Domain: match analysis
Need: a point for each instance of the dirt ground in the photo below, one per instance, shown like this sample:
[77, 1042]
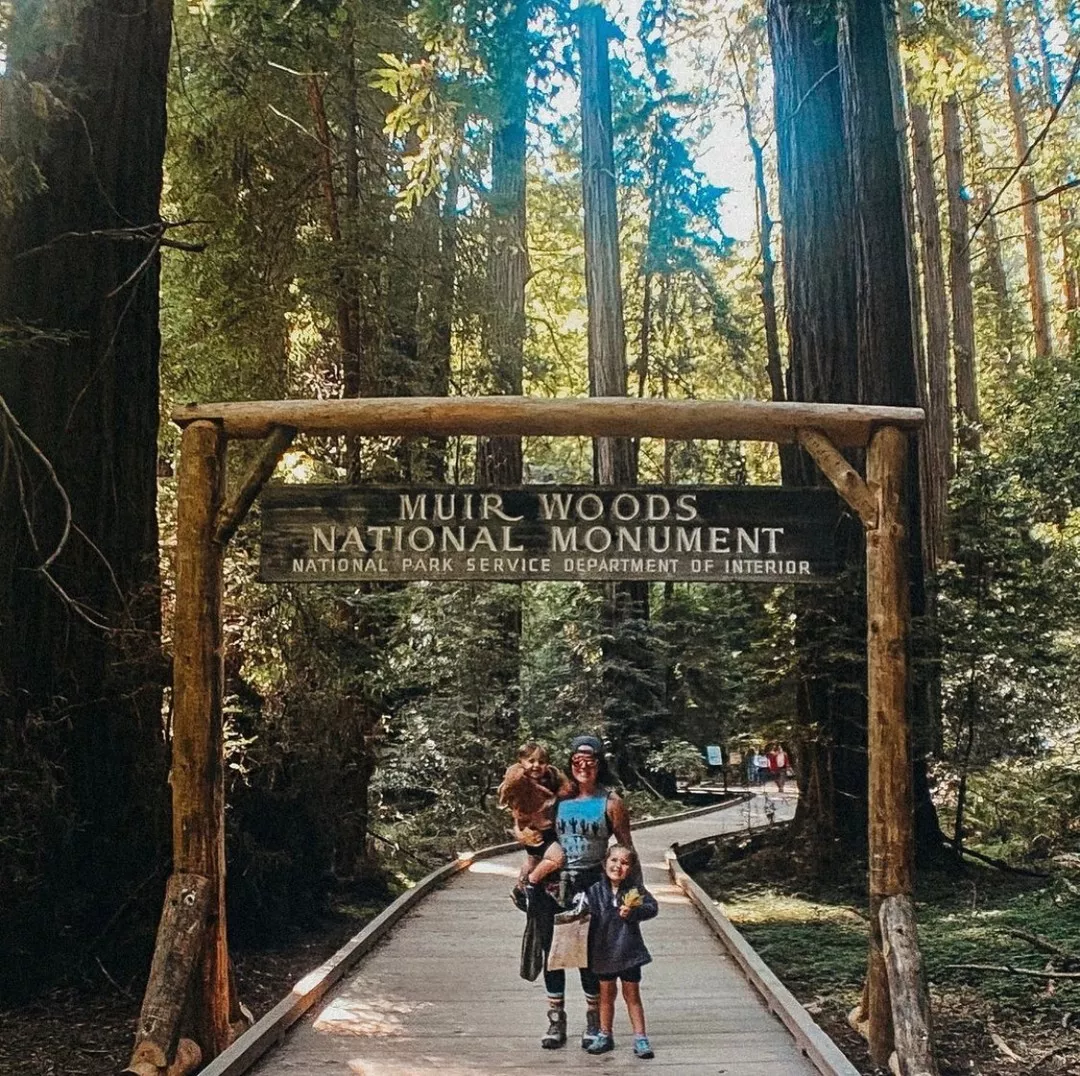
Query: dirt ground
[89, 1031]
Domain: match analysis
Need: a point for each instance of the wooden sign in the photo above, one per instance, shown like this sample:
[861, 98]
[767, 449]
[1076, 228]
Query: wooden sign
[763, 534]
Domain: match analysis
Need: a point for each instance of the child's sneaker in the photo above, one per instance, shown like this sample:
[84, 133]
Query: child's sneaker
[642, 1048]
[602, 1044]
[592, 1028]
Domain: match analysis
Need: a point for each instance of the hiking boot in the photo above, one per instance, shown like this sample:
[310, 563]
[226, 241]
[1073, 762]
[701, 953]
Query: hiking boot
[602, 1044]
[555, 1036]
[592, 1028]
[642, 1048]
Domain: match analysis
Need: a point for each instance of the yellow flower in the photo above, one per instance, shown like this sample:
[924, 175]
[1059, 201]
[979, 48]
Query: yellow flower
[631, 899]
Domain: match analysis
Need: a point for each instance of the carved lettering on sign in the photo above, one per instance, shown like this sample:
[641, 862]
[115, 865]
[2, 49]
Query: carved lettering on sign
[707, 534]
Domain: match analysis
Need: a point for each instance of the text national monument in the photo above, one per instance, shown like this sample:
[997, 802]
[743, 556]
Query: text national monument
[333, 533]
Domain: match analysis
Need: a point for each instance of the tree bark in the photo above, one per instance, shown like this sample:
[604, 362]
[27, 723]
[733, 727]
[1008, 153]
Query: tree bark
[614, 463]
[499, 459]
[1038, 294]
[938, 437]
[80, 663]
[963, 306]
[995, 265]
[820, 302]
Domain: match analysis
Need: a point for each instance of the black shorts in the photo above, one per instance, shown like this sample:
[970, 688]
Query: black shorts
[628, 975]
[547, 839]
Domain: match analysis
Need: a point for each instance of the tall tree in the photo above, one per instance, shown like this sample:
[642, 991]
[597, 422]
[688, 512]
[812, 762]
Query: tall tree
[614, 464]
[1038, 293]
[499, 459]
[937, 457]
[820, 301]
[963, 304]
[873, 117]
[80, 672]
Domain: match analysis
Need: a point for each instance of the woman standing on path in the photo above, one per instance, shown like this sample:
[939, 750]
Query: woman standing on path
[584, 822]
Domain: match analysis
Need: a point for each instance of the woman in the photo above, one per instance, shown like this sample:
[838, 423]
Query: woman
[585, 823]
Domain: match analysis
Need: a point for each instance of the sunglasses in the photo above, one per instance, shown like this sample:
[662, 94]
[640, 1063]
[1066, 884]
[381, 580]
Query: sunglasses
[583, 760]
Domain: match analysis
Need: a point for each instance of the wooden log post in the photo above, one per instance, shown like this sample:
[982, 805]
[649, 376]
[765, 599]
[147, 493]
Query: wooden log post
[198, 781]
[891, 826]
[179, 944]
[909, 997]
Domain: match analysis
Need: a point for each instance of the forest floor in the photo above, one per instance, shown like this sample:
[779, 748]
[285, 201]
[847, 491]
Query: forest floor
[89, 1030]
[814, 937]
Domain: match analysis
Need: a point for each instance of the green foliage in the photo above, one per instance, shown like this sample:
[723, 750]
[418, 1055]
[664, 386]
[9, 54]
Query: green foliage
[1027, 808]
[678, 757]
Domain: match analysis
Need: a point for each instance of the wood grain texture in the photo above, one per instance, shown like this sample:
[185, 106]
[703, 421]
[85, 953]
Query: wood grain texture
[441, 993]
[908, 994]
[846, 425]
[198, 782]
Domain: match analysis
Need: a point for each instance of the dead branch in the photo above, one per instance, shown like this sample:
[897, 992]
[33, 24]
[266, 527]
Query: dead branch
[153, 233]
[1043, 944]
[999, 863]
[1035, 142]
[1008, 969]
[1059, 189]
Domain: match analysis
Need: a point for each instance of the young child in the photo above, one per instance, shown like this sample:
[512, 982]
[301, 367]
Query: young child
[617, 904]
[531, 790]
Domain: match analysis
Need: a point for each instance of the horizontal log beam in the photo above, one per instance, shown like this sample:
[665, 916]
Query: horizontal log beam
[846, 425]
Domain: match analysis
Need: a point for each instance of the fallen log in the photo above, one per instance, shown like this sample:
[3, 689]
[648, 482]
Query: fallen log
[179, 942]
[909, 998]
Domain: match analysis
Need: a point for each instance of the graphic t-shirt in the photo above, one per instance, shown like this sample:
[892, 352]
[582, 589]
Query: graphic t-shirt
[583, 830]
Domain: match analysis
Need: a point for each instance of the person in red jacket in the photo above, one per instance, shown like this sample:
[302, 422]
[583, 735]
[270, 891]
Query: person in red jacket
[778, 764]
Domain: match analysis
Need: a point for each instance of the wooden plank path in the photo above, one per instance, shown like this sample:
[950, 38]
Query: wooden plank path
[441, 993]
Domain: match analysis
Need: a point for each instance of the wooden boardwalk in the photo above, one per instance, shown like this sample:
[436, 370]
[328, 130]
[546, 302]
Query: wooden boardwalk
[442, 995]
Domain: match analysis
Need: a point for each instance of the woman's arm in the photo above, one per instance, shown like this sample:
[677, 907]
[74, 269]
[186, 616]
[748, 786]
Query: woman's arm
[619, 818]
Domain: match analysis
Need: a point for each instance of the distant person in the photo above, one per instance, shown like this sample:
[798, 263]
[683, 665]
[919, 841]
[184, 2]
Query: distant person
[751, 767]
[761, 766]
[617, 904]
[778, 765]
[531, 790]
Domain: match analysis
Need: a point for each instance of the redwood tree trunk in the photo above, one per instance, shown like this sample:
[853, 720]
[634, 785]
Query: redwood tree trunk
[80, 664]
[499, 458]
[819, 283]
[1038, 295]
[603, 285]
[963, 306]
[887, 375]
[938, 436]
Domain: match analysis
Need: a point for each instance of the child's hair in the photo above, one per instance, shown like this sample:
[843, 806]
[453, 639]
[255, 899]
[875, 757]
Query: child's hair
[527, 750]
[622, 848]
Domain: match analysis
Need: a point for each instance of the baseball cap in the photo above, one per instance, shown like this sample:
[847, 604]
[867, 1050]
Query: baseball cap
[586, 745]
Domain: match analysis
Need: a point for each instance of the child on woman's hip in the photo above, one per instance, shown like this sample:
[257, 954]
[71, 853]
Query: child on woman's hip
[531, 790]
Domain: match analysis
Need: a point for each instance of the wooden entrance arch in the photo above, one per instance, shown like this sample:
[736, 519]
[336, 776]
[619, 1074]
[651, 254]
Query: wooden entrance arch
[189, 979]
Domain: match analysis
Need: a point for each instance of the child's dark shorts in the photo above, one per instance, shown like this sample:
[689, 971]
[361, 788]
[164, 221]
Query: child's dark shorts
[628, 975]
[547, 838]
